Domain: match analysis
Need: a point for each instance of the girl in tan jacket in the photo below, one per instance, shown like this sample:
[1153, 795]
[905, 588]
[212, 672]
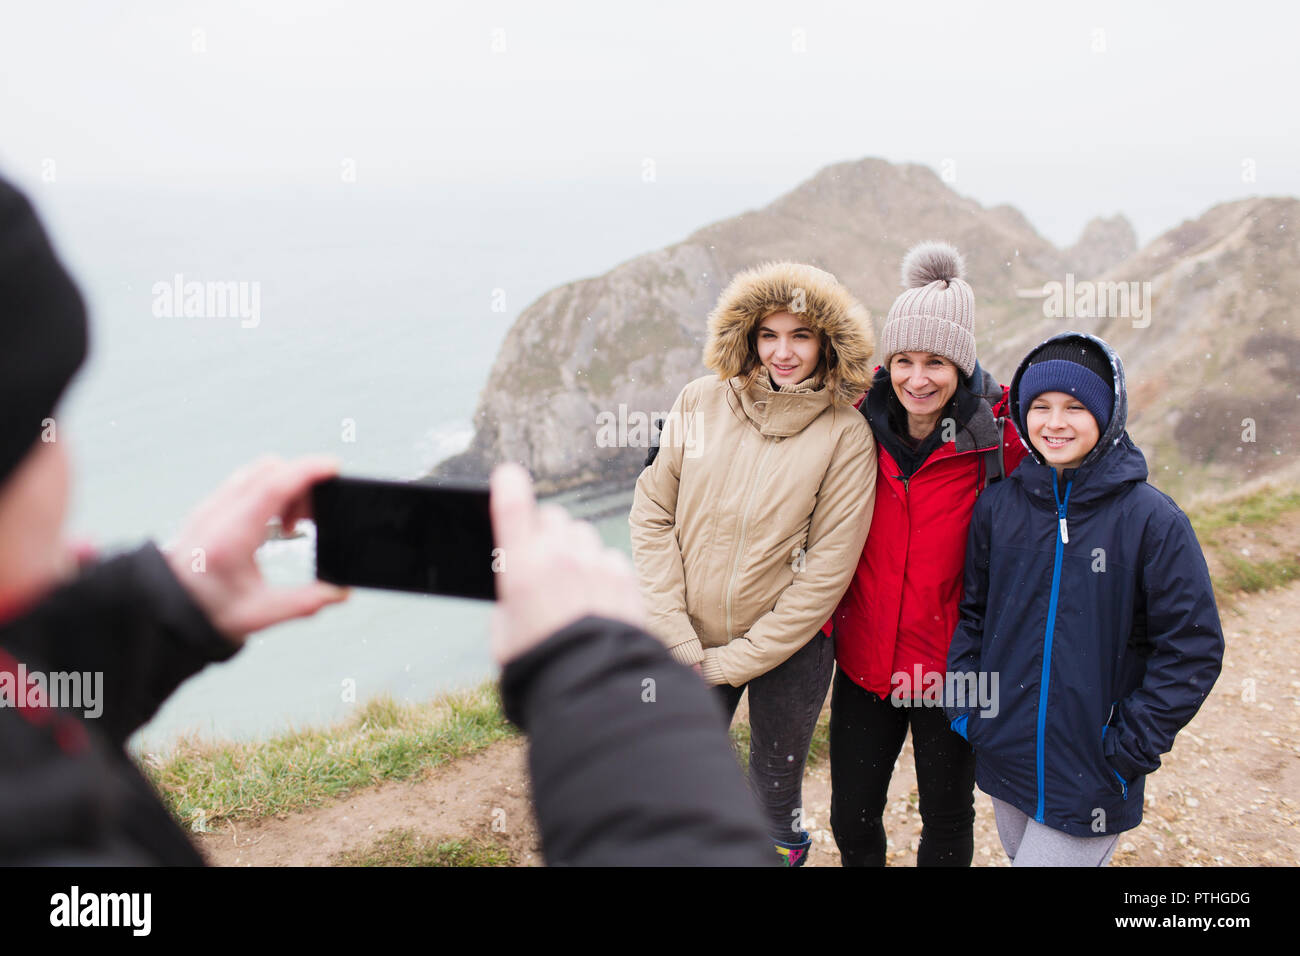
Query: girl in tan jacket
[747, 526]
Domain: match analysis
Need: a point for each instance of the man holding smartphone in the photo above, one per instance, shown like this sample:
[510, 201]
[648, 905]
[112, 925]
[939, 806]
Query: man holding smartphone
[619, 777]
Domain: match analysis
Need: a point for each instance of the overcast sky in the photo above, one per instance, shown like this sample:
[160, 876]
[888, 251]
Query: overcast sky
[1156, 110]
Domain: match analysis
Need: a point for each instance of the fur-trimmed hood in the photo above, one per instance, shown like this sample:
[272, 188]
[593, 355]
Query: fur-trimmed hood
[803, 290]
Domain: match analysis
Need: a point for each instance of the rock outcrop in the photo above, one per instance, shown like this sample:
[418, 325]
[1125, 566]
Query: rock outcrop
[1208, 332]
[625, 343]
[1103, 244]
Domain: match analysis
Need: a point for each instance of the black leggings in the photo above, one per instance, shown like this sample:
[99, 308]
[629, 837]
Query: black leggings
[867, 735]
[784, 705]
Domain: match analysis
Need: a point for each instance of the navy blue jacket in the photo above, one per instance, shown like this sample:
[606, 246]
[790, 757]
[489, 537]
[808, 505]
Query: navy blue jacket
[1089, 614]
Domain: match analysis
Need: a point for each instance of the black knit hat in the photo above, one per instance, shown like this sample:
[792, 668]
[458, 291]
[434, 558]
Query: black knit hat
[1077, 367]
[42, 328]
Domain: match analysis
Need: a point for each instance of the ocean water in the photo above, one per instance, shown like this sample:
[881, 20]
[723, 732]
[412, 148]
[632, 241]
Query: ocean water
[379, 315]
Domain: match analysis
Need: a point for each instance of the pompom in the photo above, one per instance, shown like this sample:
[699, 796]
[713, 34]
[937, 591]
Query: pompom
[930, 262]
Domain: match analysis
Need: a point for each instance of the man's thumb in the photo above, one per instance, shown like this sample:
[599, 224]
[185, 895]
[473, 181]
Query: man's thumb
[285, 604]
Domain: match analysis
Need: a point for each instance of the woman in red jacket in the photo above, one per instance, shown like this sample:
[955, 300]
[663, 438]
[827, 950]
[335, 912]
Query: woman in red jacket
[935, 416]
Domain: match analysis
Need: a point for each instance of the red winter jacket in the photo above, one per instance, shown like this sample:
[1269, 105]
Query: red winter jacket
[900, 610]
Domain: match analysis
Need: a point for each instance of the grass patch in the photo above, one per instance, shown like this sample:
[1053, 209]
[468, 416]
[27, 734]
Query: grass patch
[206, 784]
[1260, 507]
[1237, 575]
[1244, 576]
[404, 847]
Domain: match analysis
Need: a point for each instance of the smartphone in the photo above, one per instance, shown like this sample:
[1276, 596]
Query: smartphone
[405, 536]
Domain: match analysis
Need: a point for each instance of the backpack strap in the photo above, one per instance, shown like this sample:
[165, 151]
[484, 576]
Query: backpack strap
[994, 463]
[653, 451]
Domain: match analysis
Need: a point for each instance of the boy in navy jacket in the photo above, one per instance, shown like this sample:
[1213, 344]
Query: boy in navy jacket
[1088, 618]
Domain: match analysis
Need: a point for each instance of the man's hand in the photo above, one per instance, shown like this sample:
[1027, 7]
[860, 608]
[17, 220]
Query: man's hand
[229, 526]
[554, 570]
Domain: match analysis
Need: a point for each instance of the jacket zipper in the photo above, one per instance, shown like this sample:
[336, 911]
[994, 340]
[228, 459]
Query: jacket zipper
[907, 544]
[1122, 782]
[744, 520]
[1062, 536]
[907, 508]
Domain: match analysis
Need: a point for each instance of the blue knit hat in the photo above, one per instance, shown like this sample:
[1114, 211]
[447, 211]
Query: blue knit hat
[1076, 368]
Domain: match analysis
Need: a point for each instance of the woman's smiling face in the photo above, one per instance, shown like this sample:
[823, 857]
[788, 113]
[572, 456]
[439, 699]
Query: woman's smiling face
[923, 382]
[788, 348]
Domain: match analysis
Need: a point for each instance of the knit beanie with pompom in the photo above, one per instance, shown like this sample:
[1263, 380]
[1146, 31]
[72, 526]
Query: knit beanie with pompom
[936, 313]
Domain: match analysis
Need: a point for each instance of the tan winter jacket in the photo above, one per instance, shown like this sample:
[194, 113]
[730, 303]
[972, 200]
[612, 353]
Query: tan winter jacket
[747, 528]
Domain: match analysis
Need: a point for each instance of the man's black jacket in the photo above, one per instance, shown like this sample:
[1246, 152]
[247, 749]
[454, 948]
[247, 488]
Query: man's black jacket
[68, 791]
[629, 759]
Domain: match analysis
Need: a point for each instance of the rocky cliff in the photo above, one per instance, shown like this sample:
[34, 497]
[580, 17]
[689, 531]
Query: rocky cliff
[1214, 361]
[1104, 244]
[608, 352]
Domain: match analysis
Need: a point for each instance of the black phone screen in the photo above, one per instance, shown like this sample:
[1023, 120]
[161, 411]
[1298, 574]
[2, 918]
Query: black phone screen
[404, 536]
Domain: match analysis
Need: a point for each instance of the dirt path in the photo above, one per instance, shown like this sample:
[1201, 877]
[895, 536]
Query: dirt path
[484, 795]
[1228, 794]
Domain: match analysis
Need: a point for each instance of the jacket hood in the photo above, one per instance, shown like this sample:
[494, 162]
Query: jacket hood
[1115, 460]
[979, 428]
[1114, 432]
[803, 290]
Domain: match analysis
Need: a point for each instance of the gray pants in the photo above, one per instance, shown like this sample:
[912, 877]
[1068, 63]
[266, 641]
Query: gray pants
[783, 707]
[1029, 843]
